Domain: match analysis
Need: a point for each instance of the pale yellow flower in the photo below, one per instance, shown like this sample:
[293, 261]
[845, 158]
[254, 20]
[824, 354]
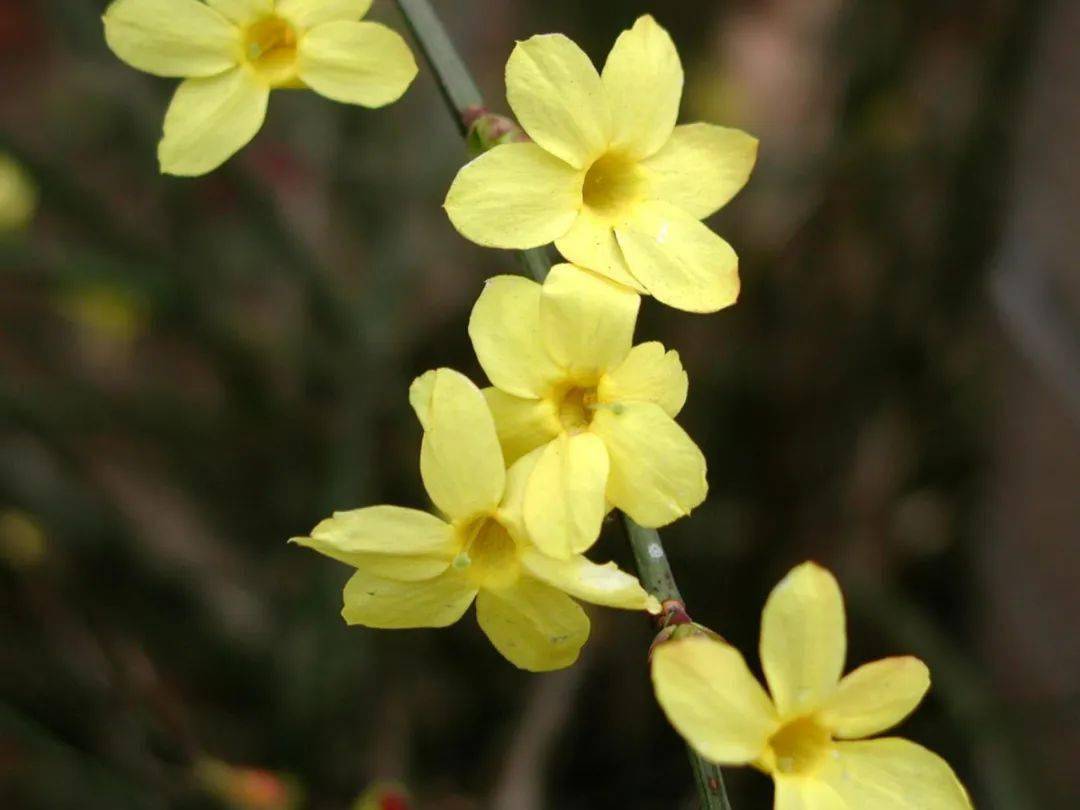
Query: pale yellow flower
[18, 196]
[418, 570]
[567, 379]
[609, 177]
[809, 736]
[232, 53]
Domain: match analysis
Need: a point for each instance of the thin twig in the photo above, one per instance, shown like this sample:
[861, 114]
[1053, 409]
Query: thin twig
[464, 101]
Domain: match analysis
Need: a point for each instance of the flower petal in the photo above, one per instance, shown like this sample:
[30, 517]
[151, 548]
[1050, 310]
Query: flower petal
[514, 196]
[210, 120]
[648, 374]
[309, 13]
[389, 604]
[893, 774]
[242, 12]
[876, 697]
[591, 243]
[460, 459]
[511, 513]
[678, 259]
[657, 472]
[558, 98]
[701, 167]
[505, 331]
[564, 498]
[800, 793]
[711, 698]
[534, 626]
[356, 63]
[171, 37]
[587, 321]
[522, 424]
[583, 579]
[381, 530]
[643, 78]
[803, 639]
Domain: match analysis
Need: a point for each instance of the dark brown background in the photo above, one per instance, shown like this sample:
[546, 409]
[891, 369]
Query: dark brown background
[193, 371]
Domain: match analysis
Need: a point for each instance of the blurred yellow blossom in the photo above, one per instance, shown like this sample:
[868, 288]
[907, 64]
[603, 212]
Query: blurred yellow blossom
[232, 53]
[18, 196]
[418, 570]
[568, 380]
[384, 796]
[22, 539]
[105, 311]
[809, 736]
[243, 788]
[609, 177]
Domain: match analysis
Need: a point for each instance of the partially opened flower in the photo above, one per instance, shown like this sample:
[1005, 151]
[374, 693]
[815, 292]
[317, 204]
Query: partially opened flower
[567, 379]
[810, 736]
[609, 177]
[414, 569]
[232, 53]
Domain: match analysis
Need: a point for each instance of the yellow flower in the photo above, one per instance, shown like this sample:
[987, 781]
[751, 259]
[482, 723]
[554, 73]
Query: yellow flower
[232, 53]
[609, 177]
[18, 197]
[418, 570]
[567, 380]
[810, 735]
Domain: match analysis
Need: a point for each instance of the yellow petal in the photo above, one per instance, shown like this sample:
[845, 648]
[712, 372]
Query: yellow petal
[876, 697]
[558, 98]
[564, 499]
[678, 259]
[460, 459]
[591, 243]
[648, 374]
[171, 37]
[801, 793]
[644, 80]
[587, 321]
[356, 63]
[375, 601]
[242, 12]
[381, 530]
[505, 331]
[581, 578]
[709, 696]
[701, 167]
[657, 472]
[893, 774]
[309, 13]
[803, 639]
[522, 424]
[420, 393]
[514, 196]
[533, 625]
[512, 509]
[210, 120]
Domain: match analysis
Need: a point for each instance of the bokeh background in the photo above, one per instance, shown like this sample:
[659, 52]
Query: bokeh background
[191, 372]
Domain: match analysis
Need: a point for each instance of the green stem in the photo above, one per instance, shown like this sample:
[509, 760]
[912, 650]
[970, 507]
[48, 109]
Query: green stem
[464, 101]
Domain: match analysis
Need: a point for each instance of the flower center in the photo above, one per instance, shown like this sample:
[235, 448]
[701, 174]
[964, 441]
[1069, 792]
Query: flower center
[270, 48]
[800, 746]
[490, 554]
[576, 409]
[613, 185]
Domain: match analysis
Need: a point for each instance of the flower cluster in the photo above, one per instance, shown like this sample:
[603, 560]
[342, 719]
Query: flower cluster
[578, 420]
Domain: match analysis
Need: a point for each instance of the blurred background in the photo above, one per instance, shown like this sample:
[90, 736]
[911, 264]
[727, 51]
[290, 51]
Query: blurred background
[192, 371]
